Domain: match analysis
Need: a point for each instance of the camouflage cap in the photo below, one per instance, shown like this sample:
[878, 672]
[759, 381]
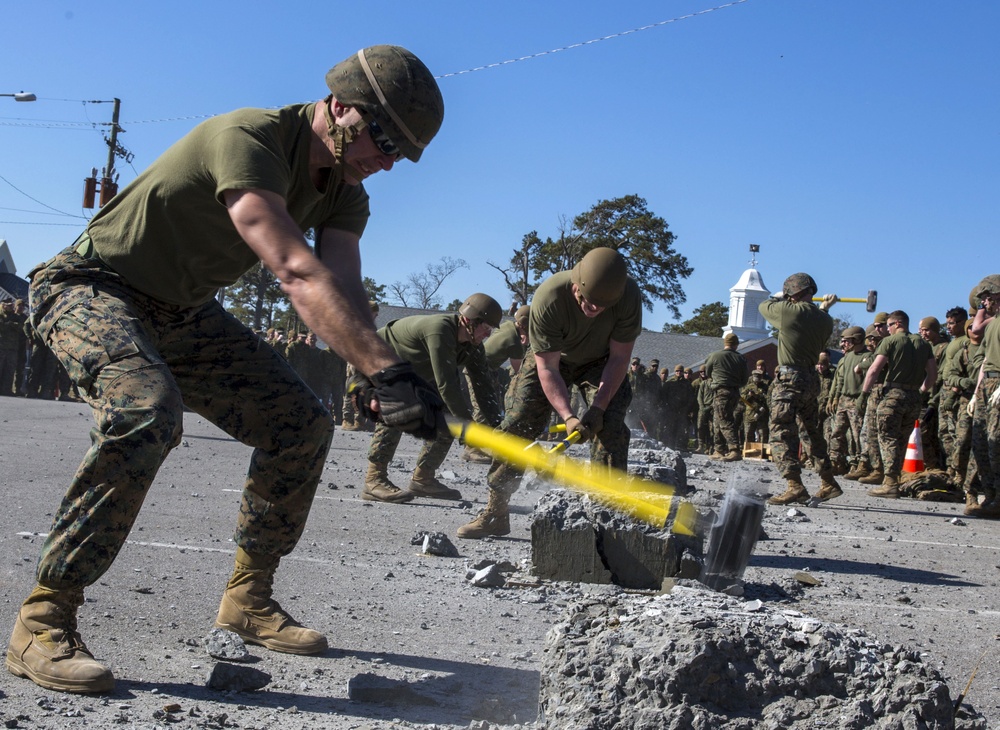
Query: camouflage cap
[654, 361]
[797, 283]
[989, 285]
[688, 371]
[636, 361]
[678, 368]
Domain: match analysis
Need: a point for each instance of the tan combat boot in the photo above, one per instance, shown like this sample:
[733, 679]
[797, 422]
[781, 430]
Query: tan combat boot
[795, 494]
[492, 521]
[828, 488]
[972, 506]
[476, 456]
[248, 610]
[888, 490]
[351, 423]
[860, 470]
[425, 484]
[733, 455]
[876, 477]
[378, 488]
[47, 649]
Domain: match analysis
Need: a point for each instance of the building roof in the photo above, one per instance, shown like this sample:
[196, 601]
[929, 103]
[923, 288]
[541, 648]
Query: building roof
[12, 286]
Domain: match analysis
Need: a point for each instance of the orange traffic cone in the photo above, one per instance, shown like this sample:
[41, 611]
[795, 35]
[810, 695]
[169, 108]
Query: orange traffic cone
[914, 459]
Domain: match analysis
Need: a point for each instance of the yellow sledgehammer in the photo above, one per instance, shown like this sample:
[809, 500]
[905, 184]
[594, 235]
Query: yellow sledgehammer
[650, 502]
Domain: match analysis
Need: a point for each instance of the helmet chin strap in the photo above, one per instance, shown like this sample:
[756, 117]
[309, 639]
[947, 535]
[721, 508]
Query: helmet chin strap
[342, 136]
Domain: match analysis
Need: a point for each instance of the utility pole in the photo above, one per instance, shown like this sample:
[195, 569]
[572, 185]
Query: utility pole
[108, 184]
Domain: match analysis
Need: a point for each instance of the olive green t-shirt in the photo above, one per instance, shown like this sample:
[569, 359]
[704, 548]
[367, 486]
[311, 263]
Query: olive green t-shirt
[803, 330]
[429, 342]
[557, 324]
[169, 234]
[726, 368]
[990, 346]
[504, 344]
[907, 356]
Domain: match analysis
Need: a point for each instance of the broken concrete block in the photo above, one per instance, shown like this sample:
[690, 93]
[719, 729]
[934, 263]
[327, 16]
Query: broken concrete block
[234, 678]
[574, 538]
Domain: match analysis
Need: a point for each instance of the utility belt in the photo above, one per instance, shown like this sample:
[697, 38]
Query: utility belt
[901, 386]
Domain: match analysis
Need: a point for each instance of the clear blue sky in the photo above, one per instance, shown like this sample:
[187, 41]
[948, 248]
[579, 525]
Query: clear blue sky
[857, 140]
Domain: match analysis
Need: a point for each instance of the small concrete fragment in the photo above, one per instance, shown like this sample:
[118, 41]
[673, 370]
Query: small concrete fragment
[489, 577]
[576, 539]
[807, 579]
[435, 543]
[225, 645]
[236, 678]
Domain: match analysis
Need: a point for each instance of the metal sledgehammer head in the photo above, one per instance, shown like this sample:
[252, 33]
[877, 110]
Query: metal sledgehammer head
[870, 302]
[732, 539]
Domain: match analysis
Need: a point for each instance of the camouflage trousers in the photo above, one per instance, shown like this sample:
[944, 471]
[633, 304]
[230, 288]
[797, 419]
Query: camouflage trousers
[986, 436]
[947, 426]
[897, 411]
[962, 445]
[727, 436]
[845, 434]
[869, 430]
[529, 411]
[705, 430]
[8, 367]
[385, 441]
[794, 403]
[138, 362]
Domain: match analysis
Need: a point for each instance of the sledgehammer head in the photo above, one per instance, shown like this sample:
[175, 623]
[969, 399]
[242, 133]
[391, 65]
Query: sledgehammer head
[872, 301]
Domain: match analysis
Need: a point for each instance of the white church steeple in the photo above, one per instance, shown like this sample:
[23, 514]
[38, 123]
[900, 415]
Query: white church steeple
[745, 321]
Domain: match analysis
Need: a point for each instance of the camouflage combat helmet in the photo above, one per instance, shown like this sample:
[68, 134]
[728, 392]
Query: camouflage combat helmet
[601, 276]
[394, 87]
[853, 333]
[989, 285]
[798, 283]
[521, 316]
[482, 307]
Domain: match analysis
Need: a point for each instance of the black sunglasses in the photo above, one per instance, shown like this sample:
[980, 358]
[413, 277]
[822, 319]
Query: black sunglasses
[382, 141]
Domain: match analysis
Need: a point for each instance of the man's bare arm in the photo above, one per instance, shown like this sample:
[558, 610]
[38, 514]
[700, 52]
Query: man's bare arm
[615, 370]
[553, 384]
[871, 377]
[327, 294]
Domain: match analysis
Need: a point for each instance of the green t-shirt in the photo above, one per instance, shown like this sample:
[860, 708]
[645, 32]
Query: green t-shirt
[907, 356]
[504, 344]
[557, 324]
[851, 370]
[726, 368]
[990, 346]
[803, 330]
[429, 342]
[169, 234]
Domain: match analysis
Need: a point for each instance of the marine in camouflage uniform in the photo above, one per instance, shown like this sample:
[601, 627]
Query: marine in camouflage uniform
[986, 402]
[677, 395]
[803, 330]
[929, 330]
[866, 407]
[437, 346]
[845, 434]
[910, 371]
[727, 372]
[960, 378]
[583, 325]
[10, 344]
[754, 395]
[946, 400]
[130, 309]
[706, 412]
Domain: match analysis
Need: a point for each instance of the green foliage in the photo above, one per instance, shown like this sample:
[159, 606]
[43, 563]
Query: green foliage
[256, 298]
[624, 224]
[708, 321]
[376, 292]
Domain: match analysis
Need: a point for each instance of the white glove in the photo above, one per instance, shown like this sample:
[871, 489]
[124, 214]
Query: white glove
[828, 301]
[995, 398]
[971, 408]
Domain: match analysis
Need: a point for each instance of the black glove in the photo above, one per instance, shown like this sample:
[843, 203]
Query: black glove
[928, 413]
[593, 420]
[405, 400]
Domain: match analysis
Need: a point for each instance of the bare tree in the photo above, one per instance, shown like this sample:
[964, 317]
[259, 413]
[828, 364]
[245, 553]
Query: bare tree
[421, 288]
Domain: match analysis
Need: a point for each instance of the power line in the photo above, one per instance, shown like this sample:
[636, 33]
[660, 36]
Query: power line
[592, 40]
[44, 205]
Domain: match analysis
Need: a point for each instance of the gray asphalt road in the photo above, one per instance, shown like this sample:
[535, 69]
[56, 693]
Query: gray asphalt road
[413, 644]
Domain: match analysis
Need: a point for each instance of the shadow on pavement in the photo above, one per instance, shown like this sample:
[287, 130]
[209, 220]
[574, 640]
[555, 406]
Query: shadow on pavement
[852, 567]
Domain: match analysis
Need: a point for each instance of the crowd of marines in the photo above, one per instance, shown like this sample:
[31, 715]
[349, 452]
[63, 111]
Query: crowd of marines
[27, 367]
